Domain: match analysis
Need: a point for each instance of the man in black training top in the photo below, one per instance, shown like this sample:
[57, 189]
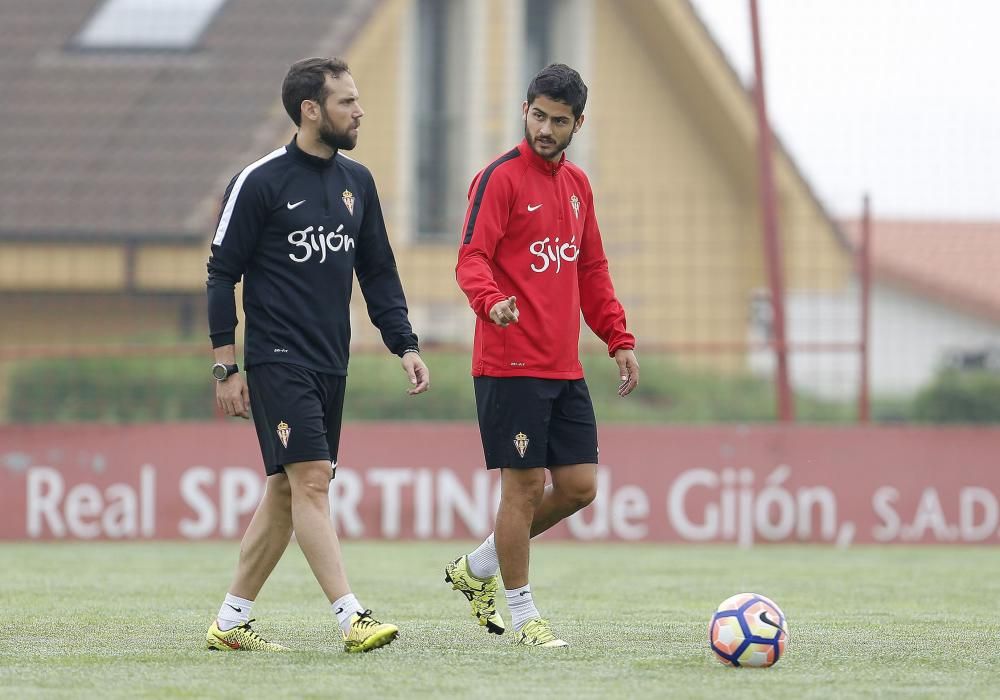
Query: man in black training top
[296, 225]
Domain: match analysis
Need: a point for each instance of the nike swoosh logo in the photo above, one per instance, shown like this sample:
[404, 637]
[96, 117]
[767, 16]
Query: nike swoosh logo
[526, 592]
[292, 206]
[239, 610]
[532, 208]
[339, 610]
[767, 621]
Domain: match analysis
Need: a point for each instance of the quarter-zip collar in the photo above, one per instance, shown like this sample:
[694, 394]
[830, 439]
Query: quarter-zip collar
[539, 163]
[307, 159]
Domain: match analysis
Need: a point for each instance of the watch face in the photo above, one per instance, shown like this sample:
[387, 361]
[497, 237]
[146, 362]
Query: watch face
[219, 372]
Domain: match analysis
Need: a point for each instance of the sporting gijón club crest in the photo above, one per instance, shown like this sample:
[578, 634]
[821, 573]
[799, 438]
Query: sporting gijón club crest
[283, 433]
[521, 443]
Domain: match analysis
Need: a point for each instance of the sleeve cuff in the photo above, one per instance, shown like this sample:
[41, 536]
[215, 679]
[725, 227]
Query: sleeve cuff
[621, 345]
[222, 339]
[493, 301]
[410, 345]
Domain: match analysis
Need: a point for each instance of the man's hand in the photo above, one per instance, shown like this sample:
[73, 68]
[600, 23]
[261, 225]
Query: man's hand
[505, 312]
[628, 371]
[233, 396]
[416, 370]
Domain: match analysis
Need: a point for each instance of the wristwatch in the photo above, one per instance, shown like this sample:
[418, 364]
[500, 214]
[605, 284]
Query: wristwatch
[222, 372]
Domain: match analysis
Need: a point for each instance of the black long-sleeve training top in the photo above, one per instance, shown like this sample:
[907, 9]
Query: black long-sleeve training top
[296, 227]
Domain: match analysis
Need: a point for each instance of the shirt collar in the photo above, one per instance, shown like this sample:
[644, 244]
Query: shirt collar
[546, 166]
[307, 158]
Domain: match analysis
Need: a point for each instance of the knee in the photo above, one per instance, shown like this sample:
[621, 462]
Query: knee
[525, 491]
[533, 497]
[580, 496]
[278, 489]
[526, 500]
[309, 481]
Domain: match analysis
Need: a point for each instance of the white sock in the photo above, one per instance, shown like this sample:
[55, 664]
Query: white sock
[521, 605]
[344, 608]
[234, 612]
[483, 561]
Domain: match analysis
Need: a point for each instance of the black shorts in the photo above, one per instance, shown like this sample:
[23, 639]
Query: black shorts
[297, 413]
[530, 422]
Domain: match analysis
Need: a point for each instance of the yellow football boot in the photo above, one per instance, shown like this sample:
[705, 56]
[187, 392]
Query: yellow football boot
[481, 594]
[241, 638]
[538, 633]
[367, 633]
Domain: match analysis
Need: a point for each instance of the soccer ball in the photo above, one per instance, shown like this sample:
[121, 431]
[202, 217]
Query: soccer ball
[748, 630]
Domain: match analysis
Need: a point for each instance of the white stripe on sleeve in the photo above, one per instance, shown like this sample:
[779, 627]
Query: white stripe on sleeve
[227, 212]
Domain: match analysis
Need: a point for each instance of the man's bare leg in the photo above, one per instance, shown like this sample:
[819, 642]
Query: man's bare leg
[520, 496]
[573, 487]
[265, 539]
[310, 482]
[314, 531]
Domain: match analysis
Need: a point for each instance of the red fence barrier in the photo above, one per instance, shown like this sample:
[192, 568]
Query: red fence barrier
[425, 481]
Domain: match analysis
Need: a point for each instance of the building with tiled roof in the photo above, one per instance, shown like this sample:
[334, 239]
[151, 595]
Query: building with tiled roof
[113, 159]
[935, 298]
[113, 156]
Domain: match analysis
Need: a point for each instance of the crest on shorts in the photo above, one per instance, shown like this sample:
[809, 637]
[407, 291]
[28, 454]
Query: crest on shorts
[283, 432]
[575, 203]
[348, 198]
[521, 443]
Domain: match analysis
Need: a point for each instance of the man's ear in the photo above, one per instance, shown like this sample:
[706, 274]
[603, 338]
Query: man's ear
[309, 110]
[579, 123]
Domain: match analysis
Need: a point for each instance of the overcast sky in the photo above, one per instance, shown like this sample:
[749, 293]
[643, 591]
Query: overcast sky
[897, 97]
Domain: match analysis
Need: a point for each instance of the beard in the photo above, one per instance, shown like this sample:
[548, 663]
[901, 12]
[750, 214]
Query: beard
[547, 143]
[337, 140]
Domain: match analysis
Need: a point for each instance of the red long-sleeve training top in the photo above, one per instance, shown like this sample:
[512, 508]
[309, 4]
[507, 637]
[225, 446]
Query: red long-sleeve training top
[531, 232]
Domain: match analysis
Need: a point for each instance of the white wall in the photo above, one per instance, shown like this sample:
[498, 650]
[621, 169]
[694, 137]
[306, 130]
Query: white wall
[911, 336]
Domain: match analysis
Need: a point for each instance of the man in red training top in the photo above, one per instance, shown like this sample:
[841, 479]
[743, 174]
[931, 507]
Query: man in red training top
[531, 259]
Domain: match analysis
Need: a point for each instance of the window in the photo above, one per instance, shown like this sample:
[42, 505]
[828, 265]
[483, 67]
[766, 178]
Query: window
[441, 101]
[547, 26]
[147, 25]
[539, 21]
[556, 31]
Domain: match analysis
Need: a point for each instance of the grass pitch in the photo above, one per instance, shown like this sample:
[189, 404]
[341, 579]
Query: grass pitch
[129, 620]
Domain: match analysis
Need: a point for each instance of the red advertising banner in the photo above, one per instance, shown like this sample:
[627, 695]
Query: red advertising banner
[740, 484]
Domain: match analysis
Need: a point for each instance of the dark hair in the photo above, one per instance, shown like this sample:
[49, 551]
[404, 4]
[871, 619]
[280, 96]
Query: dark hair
[306, 80]
[559, 82]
